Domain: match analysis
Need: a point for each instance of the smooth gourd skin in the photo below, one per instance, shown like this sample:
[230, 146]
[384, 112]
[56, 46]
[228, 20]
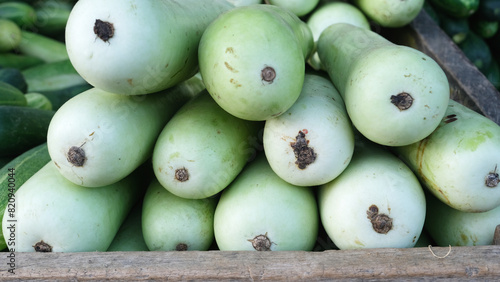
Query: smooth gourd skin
[320, 114]
[69, 217]
[172, 223]
[154, 45]
[390, 13]
[129, 237]
[328, 14]
[259, 202]
[208, 143]
[454, 161]
[239, 46]
[369, 71]
[116, 132]
[449, 226]
[298, 7]
[374, 177]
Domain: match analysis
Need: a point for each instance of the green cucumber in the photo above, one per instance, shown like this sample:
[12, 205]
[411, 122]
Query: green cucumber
[56, 215]
[456, 28]
[377, 202]
[163, 34]
[97, 138]
[38, 100]
[312, 142]
[172, 223]
[259, 211]
[58, 81]
[10, 35]
[23, 14]
[52, 16]
[129, 237]
[202, 149]
[328, 14]
[18, 61]
[42, 47]
[394, 94]
[456, 8]
[22, 128]
[390, 13]
[489, 10]
[14, 77]
[5, 160]
[299, 7]
[52, 76]
[493, 73]
[451, 227]
[429, 9]
[459, 161]
[477, 51]
[484, 28]
[10, 95]
[15, 173]
[255, 78]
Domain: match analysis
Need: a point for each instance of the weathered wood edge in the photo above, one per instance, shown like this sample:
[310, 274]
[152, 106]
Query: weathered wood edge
[458, 263]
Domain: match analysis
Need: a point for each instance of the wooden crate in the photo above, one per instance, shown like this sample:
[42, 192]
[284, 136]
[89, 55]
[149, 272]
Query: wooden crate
[468, 86]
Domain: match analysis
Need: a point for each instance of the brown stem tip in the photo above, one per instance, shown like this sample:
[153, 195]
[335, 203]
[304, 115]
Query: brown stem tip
[304, 154]
[76, 156]
[104, 30]
[261, 243]
[42, 247]
[381, 222]
[268, 74]
[492, 179]
[182, 174]
[402, 101]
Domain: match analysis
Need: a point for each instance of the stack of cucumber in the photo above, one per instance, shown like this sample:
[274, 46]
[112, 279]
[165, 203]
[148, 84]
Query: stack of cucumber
[234, 125]
[474, 26]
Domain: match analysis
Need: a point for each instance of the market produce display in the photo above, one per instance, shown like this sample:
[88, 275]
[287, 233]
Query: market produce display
[240, 125]
[473, 25]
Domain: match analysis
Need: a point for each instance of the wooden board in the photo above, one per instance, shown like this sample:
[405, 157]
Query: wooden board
[468, 86]
[458, 263]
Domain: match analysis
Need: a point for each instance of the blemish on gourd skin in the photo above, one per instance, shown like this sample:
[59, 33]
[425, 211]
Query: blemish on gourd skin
[229, 67]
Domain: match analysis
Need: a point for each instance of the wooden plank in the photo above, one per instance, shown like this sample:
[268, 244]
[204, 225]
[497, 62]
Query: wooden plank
[459, 263]
[468, 85]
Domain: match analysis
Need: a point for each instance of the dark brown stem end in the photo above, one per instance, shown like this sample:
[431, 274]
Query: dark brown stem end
[181, 247]
[104, 30]
[182, 174]
[403, 101]
[42, 247]
[381, 222]
[261, 243]
[304, 154]
[492, 179]
[76, 156]
[268, 74]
